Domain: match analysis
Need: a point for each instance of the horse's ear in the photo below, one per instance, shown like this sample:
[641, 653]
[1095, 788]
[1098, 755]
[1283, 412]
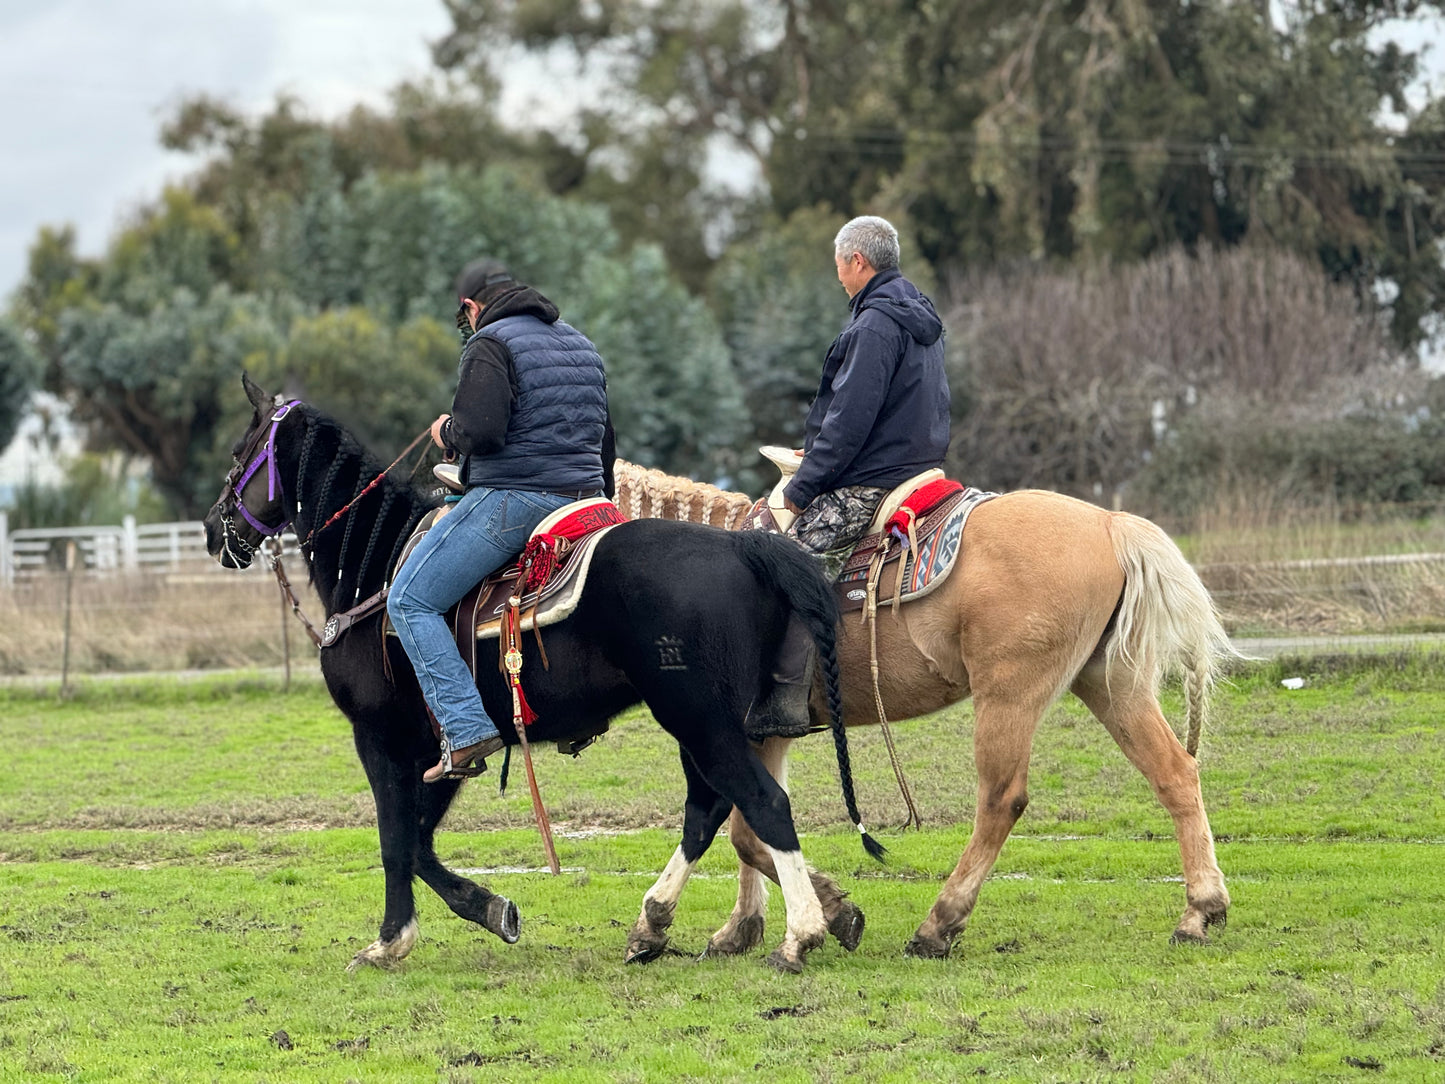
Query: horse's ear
[259, 399]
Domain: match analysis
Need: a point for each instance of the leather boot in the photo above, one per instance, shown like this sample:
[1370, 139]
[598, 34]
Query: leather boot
[784, 711]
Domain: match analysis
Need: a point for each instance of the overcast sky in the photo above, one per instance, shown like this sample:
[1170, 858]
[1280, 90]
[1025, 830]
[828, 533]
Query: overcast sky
[84, 85]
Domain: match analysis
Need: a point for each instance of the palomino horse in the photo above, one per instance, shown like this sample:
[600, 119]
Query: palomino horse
[1049, 594]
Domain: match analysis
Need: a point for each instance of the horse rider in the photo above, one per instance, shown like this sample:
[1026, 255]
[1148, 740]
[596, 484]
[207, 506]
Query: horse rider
[881, 416]
[530, 424]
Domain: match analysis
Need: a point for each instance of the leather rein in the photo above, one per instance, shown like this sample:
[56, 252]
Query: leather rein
[236, 482]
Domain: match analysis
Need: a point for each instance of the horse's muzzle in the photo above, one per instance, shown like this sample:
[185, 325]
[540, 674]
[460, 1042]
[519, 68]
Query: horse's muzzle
[222, 542]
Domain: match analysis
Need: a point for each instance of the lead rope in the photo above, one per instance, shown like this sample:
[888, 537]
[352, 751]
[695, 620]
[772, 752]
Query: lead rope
[272, 549]
[870, 617]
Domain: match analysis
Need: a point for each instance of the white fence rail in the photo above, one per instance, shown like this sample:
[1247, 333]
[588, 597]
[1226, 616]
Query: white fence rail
[128, 547]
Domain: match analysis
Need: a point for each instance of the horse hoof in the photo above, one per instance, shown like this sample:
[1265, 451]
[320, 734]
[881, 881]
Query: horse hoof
[503, 919]
[369, 958]
[927, 948]
[778, 960]
[847, 925]
[745, 935]
[1193, 928]
[644, 954]
[386, 954]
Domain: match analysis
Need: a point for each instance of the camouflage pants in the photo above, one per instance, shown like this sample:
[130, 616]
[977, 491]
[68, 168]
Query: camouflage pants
[831, 526]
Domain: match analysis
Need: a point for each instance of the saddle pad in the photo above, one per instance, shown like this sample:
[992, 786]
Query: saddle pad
[578, 526]
[554, 602]
[939, 533]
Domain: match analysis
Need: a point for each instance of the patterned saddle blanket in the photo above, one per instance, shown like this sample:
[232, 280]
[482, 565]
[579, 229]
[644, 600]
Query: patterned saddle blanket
[914, 537]
[916, 548]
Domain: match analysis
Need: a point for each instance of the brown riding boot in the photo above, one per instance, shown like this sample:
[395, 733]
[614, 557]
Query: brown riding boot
[784, 711]
[463, 763]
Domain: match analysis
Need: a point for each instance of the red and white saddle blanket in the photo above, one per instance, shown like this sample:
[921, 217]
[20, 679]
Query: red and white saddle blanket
[549, 575]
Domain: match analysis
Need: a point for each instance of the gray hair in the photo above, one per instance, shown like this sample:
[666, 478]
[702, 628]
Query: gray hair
[871, 237]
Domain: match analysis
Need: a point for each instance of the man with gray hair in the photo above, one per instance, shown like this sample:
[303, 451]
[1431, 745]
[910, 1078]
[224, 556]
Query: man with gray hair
[880, 418]
[881, 412]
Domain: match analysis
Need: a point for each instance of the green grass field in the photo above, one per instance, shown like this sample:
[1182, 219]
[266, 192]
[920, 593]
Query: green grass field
[186, 868]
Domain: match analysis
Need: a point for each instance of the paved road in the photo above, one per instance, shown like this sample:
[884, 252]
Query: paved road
[1269, 647]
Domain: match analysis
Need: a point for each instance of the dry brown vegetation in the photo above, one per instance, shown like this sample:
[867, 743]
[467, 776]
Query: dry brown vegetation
[149, 621]
[1067, 377]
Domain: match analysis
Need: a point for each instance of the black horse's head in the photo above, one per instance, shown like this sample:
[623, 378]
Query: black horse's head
[252, 505]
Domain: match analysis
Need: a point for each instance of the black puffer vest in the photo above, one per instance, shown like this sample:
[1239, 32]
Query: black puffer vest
[554, 433]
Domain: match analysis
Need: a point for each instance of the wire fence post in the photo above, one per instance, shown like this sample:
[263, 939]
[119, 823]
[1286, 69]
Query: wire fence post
[69, 595]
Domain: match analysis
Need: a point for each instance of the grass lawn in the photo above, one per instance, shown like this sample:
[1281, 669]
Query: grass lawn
[187, 867]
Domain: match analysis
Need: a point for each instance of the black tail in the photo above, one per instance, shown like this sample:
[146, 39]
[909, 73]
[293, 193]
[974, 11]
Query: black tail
[794, 575]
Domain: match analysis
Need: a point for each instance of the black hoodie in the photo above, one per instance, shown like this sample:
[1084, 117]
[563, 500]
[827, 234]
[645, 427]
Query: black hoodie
[881, 413]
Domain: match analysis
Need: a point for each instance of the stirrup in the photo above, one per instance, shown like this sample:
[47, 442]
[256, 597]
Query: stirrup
[475, 764]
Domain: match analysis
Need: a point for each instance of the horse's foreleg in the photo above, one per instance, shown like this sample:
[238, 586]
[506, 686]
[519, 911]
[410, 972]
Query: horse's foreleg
[466, 898]
[1132, 717]
[1003, 736]
[396, 821]
[743, 930]
[702, 816]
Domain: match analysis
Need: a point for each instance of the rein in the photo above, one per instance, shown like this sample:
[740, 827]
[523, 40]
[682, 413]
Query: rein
[367, 489]
[288, 593]
[236, 483]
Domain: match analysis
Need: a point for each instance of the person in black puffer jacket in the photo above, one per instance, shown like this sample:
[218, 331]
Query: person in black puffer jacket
[881, 416]
[530, 424]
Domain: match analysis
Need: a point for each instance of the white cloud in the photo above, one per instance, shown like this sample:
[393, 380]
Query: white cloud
[85, 84]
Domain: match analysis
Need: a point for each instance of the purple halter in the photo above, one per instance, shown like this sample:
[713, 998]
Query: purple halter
[267, 456]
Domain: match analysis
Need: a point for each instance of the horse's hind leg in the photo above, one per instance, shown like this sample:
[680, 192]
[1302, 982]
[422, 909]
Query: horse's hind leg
[1003, 736]
[703, 815]
[743, 930]
[1132, 716]
[466, 898]
[723, 757]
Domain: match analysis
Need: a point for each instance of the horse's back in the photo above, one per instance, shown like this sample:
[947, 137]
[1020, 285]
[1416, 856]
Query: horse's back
[1035, 546]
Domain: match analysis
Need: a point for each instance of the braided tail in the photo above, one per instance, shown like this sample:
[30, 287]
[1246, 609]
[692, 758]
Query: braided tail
[826, 640]
[788, 570]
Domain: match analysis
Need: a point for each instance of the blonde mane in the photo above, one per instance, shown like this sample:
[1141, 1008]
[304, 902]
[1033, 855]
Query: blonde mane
[644, 493]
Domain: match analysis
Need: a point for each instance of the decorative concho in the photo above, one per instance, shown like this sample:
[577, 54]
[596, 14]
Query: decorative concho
[331, 631]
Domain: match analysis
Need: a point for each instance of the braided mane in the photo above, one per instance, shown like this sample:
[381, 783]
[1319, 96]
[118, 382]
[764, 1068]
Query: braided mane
[354, 556]
[645, 493]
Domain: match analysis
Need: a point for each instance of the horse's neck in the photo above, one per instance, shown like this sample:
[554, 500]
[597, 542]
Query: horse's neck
[351, 559]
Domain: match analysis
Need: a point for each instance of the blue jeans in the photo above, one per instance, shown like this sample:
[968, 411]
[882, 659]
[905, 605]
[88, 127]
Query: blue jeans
[485, 530]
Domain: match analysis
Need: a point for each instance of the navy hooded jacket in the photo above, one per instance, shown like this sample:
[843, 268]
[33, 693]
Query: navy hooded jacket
[881, 414]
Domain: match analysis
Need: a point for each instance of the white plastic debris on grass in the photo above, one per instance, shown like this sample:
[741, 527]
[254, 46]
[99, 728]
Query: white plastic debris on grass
[1293, 683]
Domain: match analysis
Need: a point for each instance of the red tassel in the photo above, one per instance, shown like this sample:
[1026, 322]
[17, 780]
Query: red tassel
[539, 561]
[528, 715]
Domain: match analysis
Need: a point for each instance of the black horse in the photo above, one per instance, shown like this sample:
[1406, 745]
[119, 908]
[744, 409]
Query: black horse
[682, 617]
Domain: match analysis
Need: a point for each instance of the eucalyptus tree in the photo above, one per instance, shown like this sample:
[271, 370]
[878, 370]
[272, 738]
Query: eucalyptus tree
[1022, 129]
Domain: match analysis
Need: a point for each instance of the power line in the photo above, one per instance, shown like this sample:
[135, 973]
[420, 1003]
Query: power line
[878, 143]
